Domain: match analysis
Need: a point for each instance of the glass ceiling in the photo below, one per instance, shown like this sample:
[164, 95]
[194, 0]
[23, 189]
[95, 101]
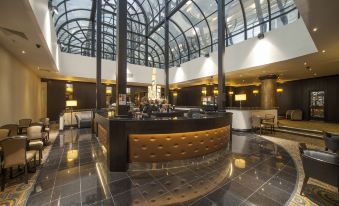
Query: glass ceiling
[193, 26]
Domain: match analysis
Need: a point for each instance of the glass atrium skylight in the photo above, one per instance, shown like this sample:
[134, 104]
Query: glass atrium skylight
[192, 26]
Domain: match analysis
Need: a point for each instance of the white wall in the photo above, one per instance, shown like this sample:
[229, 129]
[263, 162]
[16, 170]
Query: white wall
[20, 90]
[75, 65]
[287, 42]
[45, 21]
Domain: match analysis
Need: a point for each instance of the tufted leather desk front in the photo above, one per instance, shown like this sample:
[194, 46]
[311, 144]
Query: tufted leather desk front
[161, 139]
[176, 146]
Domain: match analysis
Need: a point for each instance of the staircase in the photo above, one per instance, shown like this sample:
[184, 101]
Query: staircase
[300, 131]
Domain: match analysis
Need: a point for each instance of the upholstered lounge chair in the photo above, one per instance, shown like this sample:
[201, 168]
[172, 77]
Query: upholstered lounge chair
[331, 142]
[84, 119]
[320, 165]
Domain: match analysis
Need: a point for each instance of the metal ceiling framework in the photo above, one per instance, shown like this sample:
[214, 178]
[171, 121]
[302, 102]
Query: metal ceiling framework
[193, 26]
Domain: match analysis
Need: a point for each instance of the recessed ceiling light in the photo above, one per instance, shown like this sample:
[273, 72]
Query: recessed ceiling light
[323, 51]
[23, 51]
[315, 29]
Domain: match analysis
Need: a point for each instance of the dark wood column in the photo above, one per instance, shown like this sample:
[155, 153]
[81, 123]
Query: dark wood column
[121, 78]
[166, 51]
[221, 52]
[98, 77]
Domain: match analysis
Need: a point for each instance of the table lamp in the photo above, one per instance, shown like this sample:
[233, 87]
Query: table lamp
[71, 104]
[240, 97]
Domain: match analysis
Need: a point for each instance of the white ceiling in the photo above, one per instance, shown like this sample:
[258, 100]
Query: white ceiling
[17, 15]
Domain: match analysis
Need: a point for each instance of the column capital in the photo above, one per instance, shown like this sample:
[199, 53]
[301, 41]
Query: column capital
[269, 76]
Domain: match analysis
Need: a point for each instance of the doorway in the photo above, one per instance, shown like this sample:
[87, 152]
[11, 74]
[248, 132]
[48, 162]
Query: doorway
[317, 105]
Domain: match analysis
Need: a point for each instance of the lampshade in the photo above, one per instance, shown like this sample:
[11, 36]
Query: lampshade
[175, 94]
[255, 91]
[71, 103]
[240, 97]
[279, 90]
[69, 89]
[108, 90]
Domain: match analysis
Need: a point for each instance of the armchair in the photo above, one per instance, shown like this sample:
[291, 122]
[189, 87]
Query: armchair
[296, 114]
[23, 125]
[12, 127]
[4, 133]
[84, 119]
[331, 142]
[35, 140]
[15, 154]
[320, 165]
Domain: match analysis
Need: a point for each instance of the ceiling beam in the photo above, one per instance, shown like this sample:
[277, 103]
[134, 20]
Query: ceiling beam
[170, 14]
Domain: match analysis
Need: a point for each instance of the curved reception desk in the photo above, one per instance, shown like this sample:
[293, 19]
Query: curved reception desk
[154, 140]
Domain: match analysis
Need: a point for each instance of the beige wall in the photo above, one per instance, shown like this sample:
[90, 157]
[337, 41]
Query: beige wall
[20, 90]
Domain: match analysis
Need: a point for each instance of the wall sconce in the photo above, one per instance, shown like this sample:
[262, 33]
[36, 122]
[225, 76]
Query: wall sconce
[255, 92]
[69, 88]
[204, 91]
[280, 90]
[108, 90]
[175, 94]
[230, 92]
[215, 91]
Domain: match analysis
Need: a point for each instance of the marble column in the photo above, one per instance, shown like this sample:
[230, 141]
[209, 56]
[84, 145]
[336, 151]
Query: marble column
[268, 91]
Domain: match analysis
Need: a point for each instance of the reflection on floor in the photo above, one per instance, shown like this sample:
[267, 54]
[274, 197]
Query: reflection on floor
[312, 125]
[257, 172]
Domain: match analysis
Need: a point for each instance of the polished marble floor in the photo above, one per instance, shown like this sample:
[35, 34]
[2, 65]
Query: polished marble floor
[254, 172]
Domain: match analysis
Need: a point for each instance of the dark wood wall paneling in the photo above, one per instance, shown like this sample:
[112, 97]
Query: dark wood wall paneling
[296, 95]
[55, 98]
[83, 92]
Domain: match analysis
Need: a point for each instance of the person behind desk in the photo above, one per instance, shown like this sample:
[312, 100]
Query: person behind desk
[146, 108]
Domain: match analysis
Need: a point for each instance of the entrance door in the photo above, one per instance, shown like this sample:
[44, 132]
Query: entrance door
[317, 106]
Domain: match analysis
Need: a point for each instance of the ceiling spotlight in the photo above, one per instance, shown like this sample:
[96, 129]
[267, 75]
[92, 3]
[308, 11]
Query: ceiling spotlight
[23, 51]
[315, 29]
[261, 35]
